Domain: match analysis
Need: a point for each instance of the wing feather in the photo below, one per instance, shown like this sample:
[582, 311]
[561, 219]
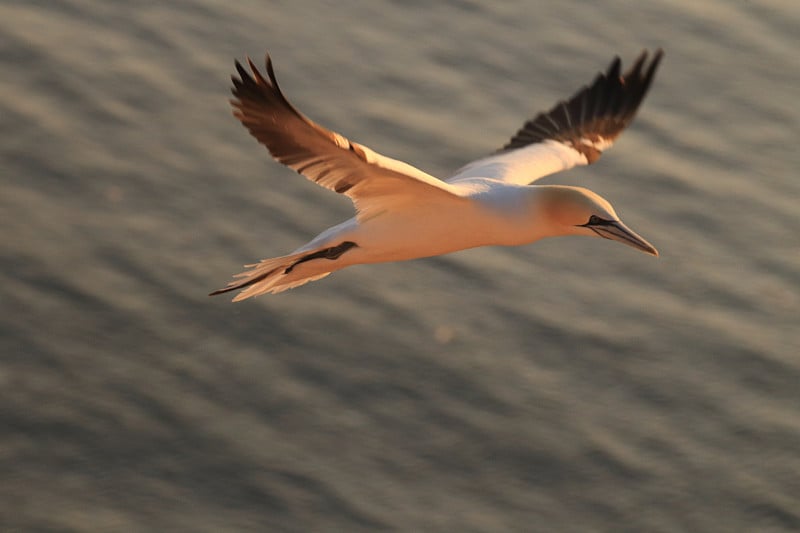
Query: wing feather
[574, 132]
[374, 182]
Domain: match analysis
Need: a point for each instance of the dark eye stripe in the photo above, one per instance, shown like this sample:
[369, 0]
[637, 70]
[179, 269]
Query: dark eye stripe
[595, 220]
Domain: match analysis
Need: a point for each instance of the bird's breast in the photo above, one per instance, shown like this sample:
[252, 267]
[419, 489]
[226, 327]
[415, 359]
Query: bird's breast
[436, 231]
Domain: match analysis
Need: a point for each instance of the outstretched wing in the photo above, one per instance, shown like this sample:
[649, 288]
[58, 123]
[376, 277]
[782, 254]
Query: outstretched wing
[574, 132]
[374, 182]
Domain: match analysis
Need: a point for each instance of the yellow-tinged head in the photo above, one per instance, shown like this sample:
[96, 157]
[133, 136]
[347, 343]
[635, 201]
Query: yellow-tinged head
[564, 210]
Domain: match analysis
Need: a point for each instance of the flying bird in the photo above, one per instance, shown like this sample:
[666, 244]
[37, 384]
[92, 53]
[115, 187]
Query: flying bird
[404, 213]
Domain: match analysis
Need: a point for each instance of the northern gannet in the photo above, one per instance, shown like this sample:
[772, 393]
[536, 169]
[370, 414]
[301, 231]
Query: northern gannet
[404, 213]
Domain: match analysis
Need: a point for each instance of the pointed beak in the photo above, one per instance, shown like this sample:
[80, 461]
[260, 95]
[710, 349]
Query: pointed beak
[617, 231]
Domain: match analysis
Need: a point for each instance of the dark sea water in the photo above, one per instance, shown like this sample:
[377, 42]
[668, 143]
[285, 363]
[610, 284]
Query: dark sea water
[571, 385]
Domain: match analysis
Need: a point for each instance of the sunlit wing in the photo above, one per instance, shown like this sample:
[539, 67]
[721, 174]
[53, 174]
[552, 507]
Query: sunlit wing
[374, 182]
[574, 132]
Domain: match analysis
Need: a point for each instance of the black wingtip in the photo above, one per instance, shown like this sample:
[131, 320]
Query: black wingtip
[650, 74]
[655, 62]
[635, 70]
[268, 65]
[598, 111]
[614, 68]
[241, 70]
[254, 75]
[257, 74]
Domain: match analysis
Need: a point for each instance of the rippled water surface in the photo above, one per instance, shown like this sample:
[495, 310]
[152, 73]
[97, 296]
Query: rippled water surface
[571, 385]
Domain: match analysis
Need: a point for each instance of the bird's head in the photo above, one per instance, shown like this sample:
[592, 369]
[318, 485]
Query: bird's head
[579, 211]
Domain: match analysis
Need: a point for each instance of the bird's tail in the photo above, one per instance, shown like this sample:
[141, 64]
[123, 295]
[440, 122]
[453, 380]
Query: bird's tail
[268, 276]
[281, 273]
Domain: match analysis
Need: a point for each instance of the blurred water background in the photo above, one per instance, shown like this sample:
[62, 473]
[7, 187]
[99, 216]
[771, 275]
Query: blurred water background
[572, 385]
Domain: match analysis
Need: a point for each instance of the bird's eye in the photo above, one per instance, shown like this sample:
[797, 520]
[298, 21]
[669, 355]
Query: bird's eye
[593, 220]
